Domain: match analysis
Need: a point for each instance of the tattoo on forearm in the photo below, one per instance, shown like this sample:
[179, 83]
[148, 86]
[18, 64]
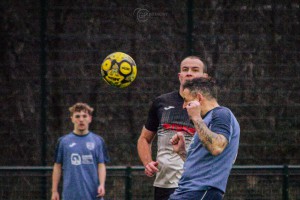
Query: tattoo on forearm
[207, 137]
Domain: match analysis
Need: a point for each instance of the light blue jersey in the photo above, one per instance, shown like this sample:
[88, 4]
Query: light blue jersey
[202, 170]
[80, 156]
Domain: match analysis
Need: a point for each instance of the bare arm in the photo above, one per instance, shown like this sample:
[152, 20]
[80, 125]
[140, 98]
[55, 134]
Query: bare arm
[56, 175]
[213, 142]
[144, 146]
[144, 150]
[102, 179]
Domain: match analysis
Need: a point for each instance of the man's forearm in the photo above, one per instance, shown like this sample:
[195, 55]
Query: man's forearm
[56, 177]
[213, 142]
[144, 151]
[102, 173]
[182, 155]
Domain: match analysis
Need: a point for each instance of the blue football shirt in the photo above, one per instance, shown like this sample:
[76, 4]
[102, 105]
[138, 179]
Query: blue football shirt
[202, 170]
[80, 156]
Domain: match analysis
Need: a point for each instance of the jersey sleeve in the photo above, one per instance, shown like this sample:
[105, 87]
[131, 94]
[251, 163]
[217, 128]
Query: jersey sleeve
[152, 120]
[103, 156]
[221, 123]
[58, 155]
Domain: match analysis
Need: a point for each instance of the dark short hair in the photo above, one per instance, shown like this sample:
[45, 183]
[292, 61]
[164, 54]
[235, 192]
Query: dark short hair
[198, 58]
[205, 85]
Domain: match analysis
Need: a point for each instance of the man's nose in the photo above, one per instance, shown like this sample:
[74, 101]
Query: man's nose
[189, 73]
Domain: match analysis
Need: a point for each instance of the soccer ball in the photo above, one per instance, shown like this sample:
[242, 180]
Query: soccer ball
[118, 69]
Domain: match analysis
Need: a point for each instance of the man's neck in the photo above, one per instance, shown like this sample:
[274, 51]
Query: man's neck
[208, 106]
[78, 132]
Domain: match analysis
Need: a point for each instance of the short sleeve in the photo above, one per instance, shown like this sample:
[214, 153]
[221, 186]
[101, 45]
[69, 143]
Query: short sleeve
[221, 122]
[152, 120]
[58, 155]
[103, 156]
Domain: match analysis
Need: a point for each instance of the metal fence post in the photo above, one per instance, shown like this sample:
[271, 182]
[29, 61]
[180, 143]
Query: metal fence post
[190, 27]
[43, 95]
[128, 192]
[285, 183]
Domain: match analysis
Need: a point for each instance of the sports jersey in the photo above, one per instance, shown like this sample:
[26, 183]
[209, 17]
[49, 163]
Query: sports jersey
[167, 117]
[202, 170]
[80, 156]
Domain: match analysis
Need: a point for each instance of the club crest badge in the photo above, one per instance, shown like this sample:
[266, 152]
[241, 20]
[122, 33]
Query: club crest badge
[90, 145]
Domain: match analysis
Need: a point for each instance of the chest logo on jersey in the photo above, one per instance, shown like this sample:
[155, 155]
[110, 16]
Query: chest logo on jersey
[72, 145]
[169, 107]
[90, 145]
[75, 159]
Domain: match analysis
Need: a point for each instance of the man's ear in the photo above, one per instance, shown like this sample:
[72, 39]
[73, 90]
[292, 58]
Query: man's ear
[199, 97]
[178, 75]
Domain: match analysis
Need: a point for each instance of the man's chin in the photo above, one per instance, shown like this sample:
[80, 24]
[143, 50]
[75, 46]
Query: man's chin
[184, 80]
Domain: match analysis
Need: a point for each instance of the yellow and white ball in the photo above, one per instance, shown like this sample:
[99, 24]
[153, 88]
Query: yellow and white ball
[119, 69]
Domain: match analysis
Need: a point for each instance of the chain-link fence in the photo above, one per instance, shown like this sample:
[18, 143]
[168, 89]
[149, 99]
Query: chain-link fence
[51, 53]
